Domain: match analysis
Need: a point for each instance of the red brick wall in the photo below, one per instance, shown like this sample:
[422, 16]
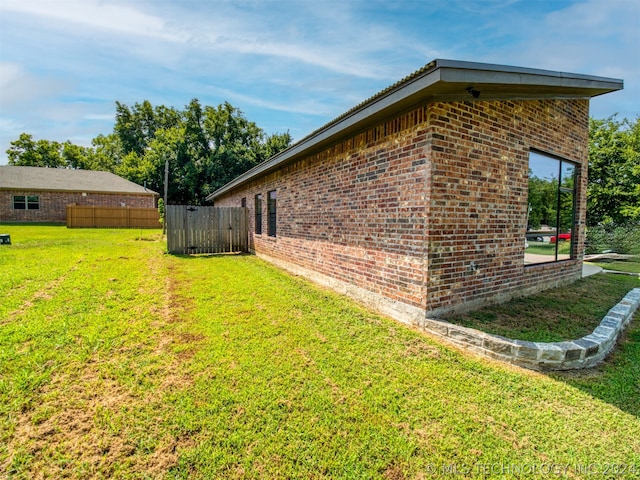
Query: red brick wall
[428, 208]
[478, 210]
[337, 210]
[53, 205]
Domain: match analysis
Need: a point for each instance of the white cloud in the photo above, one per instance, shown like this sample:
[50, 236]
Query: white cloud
[10, 126]
[291, 62]
[307, 107]
[93, 14]
[100, 117]
[19, 87]
[330, 60]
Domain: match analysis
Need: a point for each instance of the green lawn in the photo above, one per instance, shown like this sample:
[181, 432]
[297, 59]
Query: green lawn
[118, 360]
[565, 313]
[547, 248]
[629, 265]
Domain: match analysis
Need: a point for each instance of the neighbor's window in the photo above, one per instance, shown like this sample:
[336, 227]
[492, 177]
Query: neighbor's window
[550, 225]
[26, 202]
[259, 214]
[272, 213]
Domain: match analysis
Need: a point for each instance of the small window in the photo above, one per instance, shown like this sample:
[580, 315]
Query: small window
[26, 202]
[272, 213]
[259, 214]
[33, 203]
[552, 203]
[19, 202]
[243, 202]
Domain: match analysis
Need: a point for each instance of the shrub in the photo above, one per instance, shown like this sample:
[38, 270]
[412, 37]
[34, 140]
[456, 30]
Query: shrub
[623, 238]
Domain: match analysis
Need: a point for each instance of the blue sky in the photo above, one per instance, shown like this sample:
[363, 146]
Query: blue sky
[288, 65]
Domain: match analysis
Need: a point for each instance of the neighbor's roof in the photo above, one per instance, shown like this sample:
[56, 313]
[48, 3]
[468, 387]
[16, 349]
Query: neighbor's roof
[66, 180]
[440, 80]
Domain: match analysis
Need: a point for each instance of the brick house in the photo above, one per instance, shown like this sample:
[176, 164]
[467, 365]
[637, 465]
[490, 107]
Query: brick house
[34, 194]
[417, 201]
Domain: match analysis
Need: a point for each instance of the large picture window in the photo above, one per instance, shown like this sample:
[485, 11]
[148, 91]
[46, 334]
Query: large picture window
[272, 213]
[26, 202]
[550, 225]
[258, 212]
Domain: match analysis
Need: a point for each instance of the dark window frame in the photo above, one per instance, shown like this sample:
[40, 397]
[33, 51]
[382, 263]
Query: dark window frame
[258, 213]
[26, 202]
[562, 185]
[272, 213]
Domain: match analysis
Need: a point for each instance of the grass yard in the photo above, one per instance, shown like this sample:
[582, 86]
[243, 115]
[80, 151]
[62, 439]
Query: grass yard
[628, 265]
[547, 248]
[120, 361]
[565, 313]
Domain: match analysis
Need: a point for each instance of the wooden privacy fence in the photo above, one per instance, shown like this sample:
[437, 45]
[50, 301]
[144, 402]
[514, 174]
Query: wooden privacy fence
[192, 229]
[82, 216]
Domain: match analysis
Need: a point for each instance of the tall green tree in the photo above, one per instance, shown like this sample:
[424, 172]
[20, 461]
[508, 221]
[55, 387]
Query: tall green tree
[614, 171]
[166, 147]
[206, 147]
[27, 152]
[136, 126]
[106, 154]
[75, 156]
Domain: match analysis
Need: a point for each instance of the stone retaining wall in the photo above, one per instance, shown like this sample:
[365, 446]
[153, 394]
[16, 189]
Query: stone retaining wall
[582, 353]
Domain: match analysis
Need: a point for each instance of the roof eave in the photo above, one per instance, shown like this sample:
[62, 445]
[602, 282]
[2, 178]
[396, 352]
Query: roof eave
[440, 80]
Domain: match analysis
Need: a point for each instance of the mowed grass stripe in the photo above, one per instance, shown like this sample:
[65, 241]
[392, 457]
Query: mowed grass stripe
[89, 337]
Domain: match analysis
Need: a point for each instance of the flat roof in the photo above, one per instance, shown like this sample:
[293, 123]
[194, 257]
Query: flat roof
[67, 180]
[439, 80]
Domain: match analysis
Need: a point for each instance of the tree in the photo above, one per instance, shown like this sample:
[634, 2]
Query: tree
[276, 143]
[75, 156]
[206, 147]
[30, 153]
[165, 147]
[543, 202]
[236, 144]
[136, 126]
[106, 154]
[614, 171]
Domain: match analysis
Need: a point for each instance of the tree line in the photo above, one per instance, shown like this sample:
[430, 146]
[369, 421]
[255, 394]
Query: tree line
[613, 194]
[205, 146]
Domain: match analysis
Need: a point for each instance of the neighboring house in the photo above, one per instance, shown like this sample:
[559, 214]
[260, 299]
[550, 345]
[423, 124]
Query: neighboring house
[416, 201]
[34, 194]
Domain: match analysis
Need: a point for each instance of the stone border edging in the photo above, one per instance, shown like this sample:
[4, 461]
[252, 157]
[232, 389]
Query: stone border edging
[577, 354]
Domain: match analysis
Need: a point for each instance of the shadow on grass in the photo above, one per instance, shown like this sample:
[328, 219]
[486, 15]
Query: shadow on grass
[201, 256]
[617, 380]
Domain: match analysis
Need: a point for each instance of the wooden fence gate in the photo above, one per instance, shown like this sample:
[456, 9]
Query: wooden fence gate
[194, 229]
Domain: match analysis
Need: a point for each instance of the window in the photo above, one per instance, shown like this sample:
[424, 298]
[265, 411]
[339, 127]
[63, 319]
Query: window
[243, 202]
[272, 213]
[259, 214]
[26, 202]
[552, 204]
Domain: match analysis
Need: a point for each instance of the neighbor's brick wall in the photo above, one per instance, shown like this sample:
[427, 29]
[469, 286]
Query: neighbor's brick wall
[53, 205]
[355, 212]
[478, 209]
[447, 178]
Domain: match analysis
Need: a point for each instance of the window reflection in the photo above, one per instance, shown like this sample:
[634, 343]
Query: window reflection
[551, 217]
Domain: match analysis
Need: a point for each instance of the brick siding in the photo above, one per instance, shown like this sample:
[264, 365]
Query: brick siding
[428, 208]
[478, 206]
[53, 205]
